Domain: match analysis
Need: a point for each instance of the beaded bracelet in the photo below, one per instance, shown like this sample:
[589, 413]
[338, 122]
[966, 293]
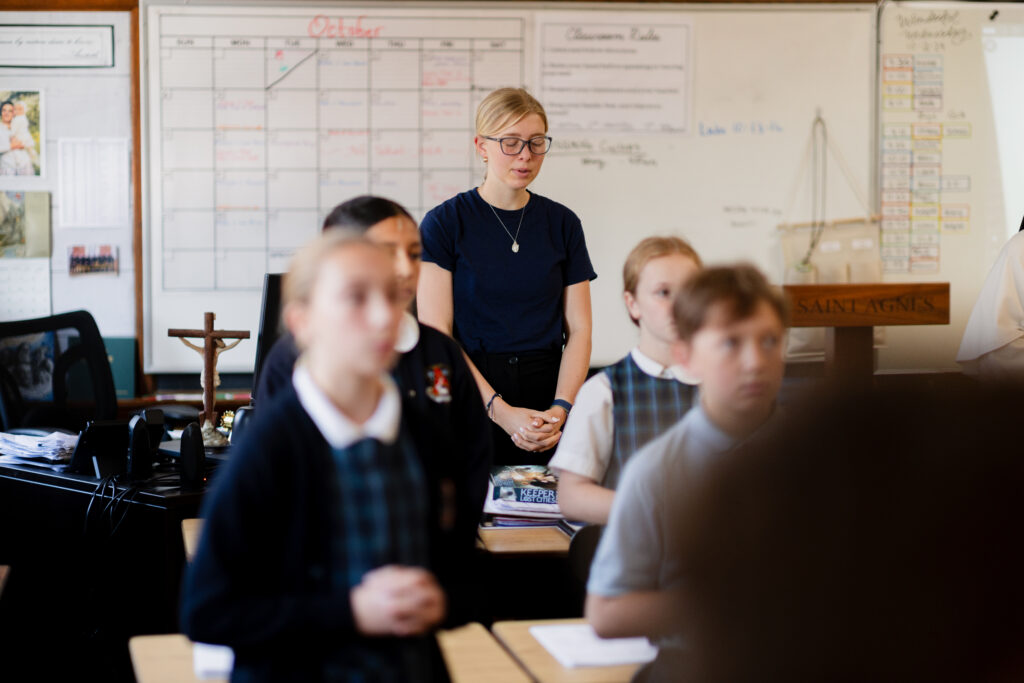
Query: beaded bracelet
[490, 404]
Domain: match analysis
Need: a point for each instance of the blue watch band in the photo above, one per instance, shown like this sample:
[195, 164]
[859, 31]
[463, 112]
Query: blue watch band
[562, 403]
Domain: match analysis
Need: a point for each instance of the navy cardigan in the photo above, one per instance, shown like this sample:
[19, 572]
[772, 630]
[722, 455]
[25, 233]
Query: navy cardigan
[260, 581]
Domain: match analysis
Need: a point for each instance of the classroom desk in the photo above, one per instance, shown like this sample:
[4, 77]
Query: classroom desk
[164, 659]
[515, 636]
[89, 586]
[541, 540]
[470, 652]
[190, 530]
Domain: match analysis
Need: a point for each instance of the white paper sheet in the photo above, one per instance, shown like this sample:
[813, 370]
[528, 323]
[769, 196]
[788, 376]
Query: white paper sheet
[212, 661]
[575, 645]
[24, 288]
[94, 182]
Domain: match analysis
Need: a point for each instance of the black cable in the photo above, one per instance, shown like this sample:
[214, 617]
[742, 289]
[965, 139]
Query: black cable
[127, 506]
[97, 491]
[112, 507]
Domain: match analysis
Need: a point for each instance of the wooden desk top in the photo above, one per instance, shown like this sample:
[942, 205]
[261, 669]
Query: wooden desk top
[190, 530]
[472, 654]
[4, 569]
[548, 540]
[164, 659]
[515, 635]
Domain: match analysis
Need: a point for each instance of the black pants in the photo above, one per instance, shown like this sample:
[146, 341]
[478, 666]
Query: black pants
[524, 380]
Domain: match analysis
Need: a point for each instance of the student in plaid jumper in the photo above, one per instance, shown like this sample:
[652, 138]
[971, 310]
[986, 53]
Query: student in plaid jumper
[636, 399]
[321, 557]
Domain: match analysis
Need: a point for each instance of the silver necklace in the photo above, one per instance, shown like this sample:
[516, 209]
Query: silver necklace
[515, 239]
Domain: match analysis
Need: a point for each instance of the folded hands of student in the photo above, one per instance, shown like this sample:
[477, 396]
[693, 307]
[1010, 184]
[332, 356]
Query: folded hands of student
[397, 601]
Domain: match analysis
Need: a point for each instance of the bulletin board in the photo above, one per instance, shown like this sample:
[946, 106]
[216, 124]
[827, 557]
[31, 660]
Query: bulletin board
[682, 119]
[84, 155]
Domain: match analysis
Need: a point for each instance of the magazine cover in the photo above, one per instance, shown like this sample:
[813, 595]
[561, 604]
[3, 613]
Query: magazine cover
[525, 484]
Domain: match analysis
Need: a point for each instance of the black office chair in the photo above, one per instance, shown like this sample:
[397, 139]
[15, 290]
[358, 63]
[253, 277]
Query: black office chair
[270, 323]
[581, 551]
[25, 364]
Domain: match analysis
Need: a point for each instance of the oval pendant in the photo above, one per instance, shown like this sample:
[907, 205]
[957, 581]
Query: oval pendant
[515, 247]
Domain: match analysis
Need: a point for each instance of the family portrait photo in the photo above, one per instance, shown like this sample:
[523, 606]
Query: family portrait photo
[20, 133]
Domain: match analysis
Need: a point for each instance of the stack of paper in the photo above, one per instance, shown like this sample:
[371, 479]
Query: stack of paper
[212, 661]
[576, 645]
[53, 450]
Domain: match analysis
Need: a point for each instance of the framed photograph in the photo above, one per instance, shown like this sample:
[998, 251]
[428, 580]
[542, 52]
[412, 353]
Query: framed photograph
[21, 133]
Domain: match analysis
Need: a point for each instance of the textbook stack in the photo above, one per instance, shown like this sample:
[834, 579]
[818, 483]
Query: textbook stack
[522, 495]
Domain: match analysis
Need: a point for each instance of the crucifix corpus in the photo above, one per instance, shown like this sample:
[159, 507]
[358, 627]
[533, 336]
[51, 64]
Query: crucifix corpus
[213, 346]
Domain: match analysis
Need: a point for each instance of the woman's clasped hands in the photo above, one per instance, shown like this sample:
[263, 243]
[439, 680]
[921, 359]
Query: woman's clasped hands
[531, 430]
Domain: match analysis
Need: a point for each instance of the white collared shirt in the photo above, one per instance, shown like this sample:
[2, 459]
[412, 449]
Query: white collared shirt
[408, 333]
[588, 438]
[339, 431]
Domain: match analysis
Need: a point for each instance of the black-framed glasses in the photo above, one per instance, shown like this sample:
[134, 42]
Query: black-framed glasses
[512, 146]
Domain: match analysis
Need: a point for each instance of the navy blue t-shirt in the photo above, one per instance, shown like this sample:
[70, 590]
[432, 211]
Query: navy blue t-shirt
[507, 302]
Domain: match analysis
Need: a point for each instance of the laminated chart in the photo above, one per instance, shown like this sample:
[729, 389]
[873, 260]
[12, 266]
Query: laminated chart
[262, 120]
[923, 192]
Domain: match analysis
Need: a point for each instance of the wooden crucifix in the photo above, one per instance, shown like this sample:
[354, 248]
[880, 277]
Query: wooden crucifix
[213, 346]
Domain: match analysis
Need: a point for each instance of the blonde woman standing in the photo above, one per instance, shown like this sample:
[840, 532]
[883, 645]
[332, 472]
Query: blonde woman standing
[506, 272]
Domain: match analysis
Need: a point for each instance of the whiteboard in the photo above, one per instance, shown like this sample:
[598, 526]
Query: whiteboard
[684, 119]
[952, 156]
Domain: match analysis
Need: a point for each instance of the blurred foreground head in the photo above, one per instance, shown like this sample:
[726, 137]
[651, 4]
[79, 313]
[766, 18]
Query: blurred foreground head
[870, 537]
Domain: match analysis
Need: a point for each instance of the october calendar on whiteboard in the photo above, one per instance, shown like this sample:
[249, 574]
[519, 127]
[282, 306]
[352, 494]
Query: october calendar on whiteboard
[261, 121]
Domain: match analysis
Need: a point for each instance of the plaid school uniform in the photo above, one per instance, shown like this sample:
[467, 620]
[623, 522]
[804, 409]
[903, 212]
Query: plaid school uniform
[642, 408]
[381, 517]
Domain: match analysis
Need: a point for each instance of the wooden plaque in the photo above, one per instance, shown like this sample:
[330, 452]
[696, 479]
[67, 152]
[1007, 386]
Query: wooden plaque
[867, 305]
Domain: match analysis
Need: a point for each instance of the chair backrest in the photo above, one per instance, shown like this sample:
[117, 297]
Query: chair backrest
[45, 362]
[581, 551]
[270, 323]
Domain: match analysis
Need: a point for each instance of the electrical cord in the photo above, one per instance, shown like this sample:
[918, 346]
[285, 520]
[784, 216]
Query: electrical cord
[98, 491]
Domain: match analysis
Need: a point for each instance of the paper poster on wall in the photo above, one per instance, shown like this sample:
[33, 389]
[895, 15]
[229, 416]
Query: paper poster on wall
[24, 288]
[607, 72]
[24, 224]
[21, 133]
[93, 180]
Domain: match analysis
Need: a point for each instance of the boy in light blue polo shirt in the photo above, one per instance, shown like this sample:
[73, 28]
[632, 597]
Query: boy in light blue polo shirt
[731, 326]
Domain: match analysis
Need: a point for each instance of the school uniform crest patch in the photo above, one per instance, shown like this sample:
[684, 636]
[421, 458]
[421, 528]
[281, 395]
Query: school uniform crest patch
[439, 386]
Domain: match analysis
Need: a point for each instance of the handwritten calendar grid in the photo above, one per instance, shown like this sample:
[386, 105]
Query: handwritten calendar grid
[262, 135]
